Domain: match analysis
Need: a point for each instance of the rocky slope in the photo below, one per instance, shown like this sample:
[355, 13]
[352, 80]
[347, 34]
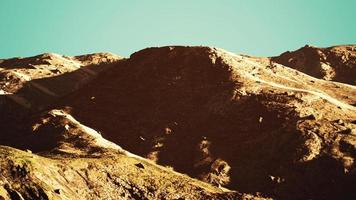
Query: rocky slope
[30, 85]
[72, 161]
[245, 123]
[336, 63]
[38, 81]
[60, 158]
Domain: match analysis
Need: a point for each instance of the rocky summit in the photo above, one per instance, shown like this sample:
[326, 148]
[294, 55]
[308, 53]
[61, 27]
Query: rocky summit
[179, 123]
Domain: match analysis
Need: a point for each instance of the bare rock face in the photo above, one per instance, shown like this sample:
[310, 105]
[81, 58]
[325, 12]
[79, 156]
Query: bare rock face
[244, 123]
[334, 63]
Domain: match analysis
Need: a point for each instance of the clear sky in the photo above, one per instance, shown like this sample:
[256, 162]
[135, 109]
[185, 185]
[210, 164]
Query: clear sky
[256, 27]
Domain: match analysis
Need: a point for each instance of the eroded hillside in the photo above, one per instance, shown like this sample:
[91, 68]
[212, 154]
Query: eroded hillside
[60, 158]
[245, 123]
[72, 161]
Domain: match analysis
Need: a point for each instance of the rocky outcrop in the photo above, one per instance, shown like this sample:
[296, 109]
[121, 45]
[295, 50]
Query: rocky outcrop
[336, 63]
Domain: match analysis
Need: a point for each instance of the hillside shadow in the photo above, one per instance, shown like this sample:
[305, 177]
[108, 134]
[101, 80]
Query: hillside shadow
[18, 109]
[186, 112]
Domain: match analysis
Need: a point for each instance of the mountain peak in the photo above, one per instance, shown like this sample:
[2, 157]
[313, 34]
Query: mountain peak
[335, 63]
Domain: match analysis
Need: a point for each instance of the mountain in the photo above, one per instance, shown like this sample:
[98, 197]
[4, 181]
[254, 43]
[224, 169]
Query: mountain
[249, 127]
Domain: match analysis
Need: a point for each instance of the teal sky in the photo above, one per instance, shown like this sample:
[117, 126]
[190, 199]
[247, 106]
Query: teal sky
[256, 27]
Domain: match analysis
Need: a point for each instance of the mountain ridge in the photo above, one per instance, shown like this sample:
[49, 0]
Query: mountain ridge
[246, 123]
